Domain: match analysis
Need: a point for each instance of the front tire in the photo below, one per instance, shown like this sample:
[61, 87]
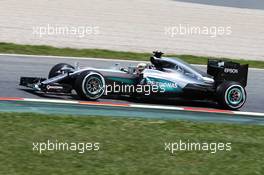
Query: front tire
[90, 85]
[231, 95]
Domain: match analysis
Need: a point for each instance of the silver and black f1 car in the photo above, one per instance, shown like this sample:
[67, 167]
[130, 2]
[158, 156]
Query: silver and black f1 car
[224, 81]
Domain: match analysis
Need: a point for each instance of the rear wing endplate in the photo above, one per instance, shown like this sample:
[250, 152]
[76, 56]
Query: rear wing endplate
[227, 71]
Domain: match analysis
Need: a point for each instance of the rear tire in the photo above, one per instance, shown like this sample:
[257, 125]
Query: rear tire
[90, 85]
[55, 70]
[231, 95]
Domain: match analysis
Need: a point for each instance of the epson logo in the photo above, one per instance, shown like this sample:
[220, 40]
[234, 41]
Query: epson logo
[231, 71]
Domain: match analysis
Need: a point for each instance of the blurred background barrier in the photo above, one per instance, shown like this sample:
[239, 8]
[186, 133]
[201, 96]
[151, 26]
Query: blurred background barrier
[180, 27]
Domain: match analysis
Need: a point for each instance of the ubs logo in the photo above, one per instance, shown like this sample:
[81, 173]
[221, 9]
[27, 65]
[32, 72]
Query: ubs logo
[231, 71]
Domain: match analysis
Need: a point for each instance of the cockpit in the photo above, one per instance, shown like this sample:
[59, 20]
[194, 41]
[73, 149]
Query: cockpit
[168, 65]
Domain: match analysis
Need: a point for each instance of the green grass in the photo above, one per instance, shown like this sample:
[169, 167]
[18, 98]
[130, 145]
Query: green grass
[100, 53]
[127, 146]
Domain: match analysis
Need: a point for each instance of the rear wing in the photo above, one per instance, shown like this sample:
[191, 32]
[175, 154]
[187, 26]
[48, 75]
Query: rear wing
[227, 71]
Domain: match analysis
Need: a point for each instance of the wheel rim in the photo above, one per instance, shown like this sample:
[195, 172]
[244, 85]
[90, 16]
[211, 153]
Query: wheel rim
[235, 96]
[94, 86]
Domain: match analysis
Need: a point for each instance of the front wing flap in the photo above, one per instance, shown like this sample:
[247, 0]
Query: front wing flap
[30, 81]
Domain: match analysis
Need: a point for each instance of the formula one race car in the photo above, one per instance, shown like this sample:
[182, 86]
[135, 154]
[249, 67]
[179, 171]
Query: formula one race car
[224, 81]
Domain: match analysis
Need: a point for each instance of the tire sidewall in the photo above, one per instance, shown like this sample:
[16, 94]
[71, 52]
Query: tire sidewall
[223, 92]
[243, 98]
[86, 78]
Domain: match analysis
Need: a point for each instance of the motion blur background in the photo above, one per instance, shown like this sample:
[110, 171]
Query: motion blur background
[139, 25]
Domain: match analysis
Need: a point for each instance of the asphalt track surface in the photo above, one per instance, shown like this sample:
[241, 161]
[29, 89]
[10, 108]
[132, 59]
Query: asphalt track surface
[13, 67]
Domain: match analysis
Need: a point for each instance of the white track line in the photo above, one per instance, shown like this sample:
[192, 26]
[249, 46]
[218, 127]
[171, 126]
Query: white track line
[249, 113]
[66, 57]
[98, 59]
[156, 107]
[50, 101]
[142, 106]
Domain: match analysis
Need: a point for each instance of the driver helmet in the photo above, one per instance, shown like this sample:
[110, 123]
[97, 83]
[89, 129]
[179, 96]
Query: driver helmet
[141, 67]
